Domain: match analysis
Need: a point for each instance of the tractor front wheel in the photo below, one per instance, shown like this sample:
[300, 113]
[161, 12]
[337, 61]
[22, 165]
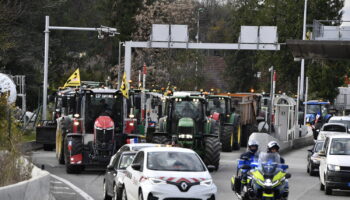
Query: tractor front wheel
[77, 148]
[212, 151]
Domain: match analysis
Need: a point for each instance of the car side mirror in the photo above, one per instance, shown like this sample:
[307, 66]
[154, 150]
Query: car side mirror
[322, 153]
[288, 175]
[211, 168]
[310, 150]
[136, 166]
[110, 167]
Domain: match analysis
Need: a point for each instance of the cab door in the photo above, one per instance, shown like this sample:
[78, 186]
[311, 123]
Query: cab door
[135, 176]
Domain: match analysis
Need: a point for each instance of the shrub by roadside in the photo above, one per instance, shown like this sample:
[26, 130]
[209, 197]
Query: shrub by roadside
[13, 168]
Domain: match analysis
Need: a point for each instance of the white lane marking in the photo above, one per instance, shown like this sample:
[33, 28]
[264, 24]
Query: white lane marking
[75, 188]
[56, 182]
[64, 188]
[70, 193]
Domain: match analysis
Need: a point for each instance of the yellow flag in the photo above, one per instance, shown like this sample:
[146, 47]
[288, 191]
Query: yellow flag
[124, 88]
[74, 80]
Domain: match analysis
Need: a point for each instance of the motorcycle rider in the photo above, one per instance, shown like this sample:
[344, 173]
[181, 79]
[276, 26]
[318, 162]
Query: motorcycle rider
[253, 147]
[249, 157]
[274, 147]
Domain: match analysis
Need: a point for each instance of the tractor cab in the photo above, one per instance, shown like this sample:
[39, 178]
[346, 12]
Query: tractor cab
[219, 106]
[186, 115]
[316, 115]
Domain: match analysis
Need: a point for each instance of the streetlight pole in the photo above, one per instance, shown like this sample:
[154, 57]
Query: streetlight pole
[302, 67]
[102, 29]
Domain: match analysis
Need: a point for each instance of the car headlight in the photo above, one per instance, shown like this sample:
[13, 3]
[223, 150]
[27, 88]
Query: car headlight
[207, 182]
[333, 167]
[157, 181]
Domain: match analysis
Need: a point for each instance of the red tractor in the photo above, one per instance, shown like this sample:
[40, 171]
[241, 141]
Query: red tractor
[95, 131]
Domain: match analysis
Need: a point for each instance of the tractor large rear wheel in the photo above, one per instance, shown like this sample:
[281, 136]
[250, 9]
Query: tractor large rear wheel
[212, 150]
[237, 135]
[77, 148]
[160, 139]
[227, 138]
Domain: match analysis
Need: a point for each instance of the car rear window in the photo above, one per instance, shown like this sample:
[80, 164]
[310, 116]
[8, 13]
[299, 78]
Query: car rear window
[340, 146]
[334, 128]
[174, 161]
[345, 122]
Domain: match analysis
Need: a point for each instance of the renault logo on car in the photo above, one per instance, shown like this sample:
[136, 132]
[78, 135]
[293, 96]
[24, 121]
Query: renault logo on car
[184, 185]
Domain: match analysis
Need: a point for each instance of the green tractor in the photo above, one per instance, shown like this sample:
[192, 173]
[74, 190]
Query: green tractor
[184, 123]
[220, 109]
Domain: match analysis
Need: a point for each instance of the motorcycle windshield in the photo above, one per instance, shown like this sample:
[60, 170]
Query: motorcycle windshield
[269, 162]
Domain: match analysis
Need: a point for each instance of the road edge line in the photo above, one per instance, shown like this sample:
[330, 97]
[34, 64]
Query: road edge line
[75, 188]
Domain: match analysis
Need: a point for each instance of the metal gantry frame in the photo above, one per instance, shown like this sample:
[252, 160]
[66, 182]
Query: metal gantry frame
[181, 45]
[100, 30]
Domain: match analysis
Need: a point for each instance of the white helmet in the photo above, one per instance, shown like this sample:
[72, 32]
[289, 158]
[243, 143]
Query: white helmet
[273, 144]
[253, 143]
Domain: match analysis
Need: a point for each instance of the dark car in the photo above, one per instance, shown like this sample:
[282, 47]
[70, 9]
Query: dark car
[115, 171]
[117, 166]
[313, 158]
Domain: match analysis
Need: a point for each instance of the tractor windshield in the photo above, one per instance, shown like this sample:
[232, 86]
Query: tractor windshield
[313, 109]
[103, 105]
[217, 105]
[191, 108]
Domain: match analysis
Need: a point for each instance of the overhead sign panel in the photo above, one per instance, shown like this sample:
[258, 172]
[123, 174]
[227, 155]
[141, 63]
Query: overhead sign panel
[249, 34]
[268, 34]
[160, 32]
[179, 33]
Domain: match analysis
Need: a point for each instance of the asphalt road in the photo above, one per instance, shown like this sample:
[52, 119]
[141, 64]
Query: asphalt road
[302, 186]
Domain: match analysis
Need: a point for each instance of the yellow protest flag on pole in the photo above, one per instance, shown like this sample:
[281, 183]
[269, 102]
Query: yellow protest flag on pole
[74, 80]
[124, 88]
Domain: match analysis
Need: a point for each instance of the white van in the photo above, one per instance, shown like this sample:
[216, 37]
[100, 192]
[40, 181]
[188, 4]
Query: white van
[335, 163]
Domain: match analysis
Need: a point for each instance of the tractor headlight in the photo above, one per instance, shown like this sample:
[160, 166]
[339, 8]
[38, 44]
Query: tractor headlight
[185, 136]
[76, 123]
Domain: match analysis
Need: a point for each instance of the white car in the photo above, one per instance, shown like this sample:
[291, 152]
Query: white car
[335, 163]
[168, 173]
[330, 129]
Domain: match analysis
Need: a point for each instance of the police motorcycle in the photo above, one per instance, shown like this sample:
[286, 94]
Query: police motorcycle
[240, 183]
[268, 178]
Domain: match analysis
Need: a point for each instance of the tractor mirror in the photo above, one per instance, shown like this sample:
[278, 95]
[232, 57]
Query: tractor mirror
[211, 168]
[288, 175]
[136, 166]
[207, 113]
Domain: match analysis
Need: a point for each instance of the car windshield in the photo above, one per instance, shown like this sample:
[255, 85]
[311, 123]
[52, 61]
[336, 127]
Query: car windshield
[126, 160]
[340, 146]
[191, 108]
[345, 122]
[334, 128]
[319, 146]
[269, 162]
[174, 161]
[216, 105]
